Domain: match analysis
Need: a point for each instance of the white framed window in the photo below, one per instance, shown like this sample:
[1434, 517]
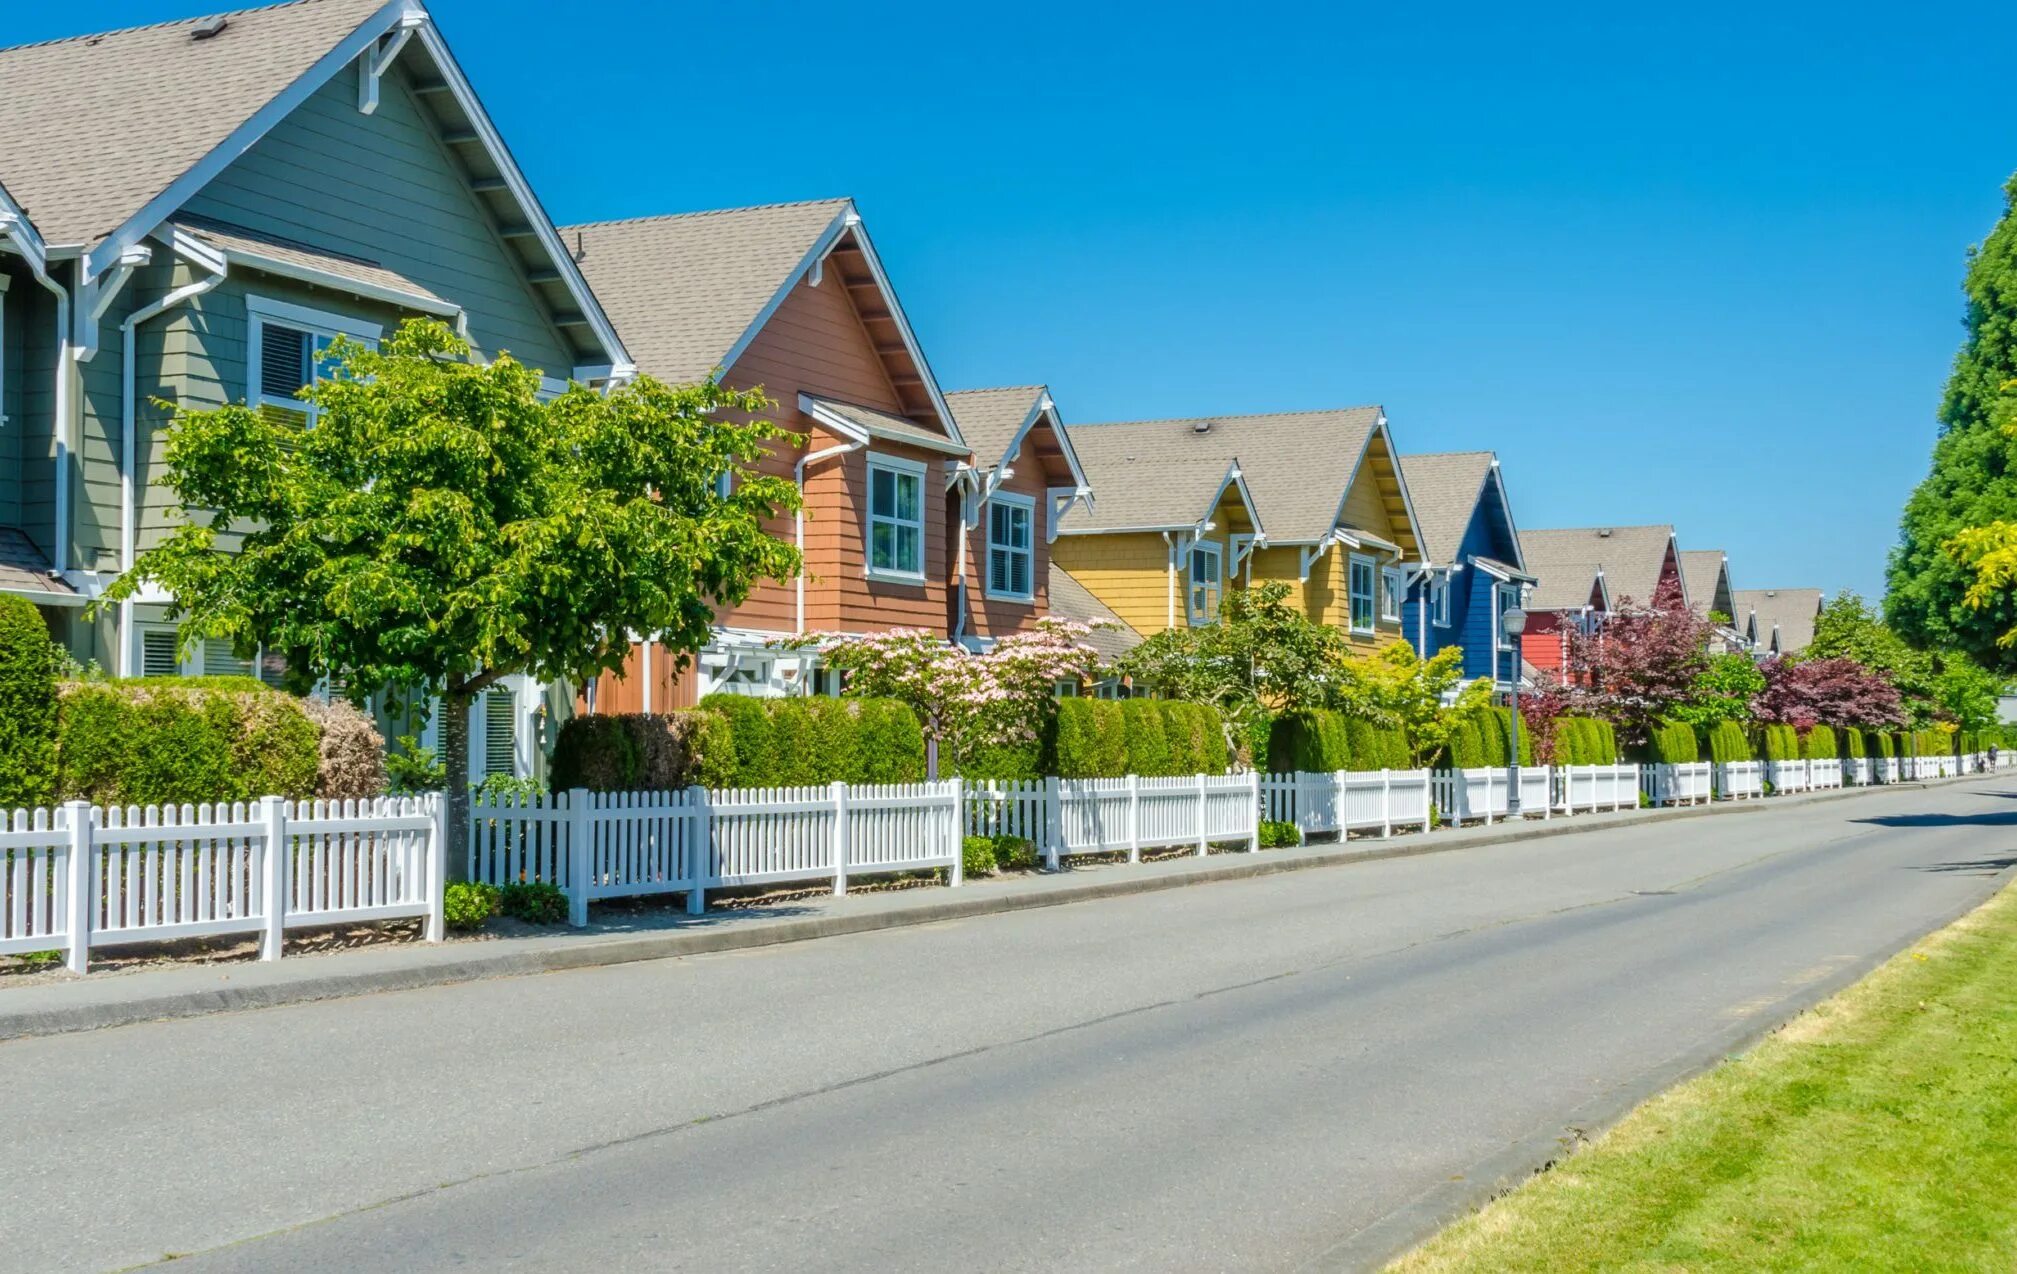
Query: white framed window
[1504, 598]
[1207, 581]
[1392, 594]
[157, 651]
[1364, 581]
[1439, 601]
[283, 345]
[895, 519]
[500, 731]
[1011, 537]
[212, 657]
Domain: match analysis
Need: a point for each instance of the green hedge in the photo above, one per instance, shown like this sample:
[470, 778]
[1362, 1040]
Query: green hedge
[739, 741]
[1887, 744]
[1585, 741]
[1820, 744]
[1104, 739]
[1320, 740]
[1728, 742]
[27, 706]
[644, 752]
[1779, 743]
[1853, 745]
[183, 740]
[1674, 743]
[1467, 745]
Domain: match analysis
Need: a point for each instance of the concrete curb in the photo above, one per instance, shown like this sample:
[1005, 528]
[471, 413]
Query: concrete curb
[17, 1023]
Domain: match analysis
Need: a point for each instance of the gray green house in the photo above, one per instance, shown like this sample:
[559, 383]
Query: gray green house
[187, 212]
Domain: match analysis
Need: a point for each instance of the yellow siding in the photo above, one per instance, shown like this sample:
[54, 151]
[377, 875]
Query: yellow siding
[1129, 572]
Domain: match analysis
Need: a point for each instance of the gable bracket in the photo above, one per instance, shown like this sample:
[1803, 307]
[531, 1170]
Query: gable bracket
[378, 59]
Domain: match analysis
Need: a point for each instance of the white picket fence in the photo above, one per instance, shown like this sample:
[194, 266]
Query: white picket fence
[595, 845]
[80, 876]
[1590, 788]
[1346, 801]
[1484, 794]
[1685, 783]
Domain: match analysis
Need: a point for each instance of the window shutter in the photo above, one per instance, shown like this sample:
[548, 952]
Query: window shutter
[157, 653]
[500, 732]
[284, 369]
[218, 661]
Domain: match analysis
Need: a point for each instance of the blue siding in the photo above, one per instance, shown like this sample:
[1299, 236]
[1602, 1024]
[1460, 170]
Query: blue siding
[1471, 614]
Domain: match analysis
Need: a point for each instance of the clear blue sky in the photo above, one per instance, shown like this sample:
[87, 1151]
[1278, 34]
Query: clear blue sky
[1698, 264]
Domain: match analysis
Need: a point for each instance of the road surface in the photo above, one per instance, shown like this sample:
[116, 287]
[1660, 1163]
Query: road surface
[1288, 1072]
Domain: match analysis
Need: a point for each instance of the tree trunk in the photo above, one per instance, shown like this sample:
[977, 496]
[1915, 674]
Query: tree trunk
[455, 759]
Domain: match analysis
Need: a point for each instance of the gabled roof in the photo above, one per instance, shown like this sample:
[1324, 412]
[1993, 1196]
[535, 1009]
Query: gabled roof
[1154, 493]
[288, 258]
[995, 422]
[23, 569]
[1070, 599]
[1299, 465]
[1791, 610]
[1629, 558]
[691, 290]
[1445, 488]
[103, 137]
[1707, 575]
[865, 423]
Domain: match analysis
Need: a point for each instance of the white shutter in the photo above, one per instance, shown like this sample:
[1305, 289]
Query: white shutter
[500, 732]
[218, 661]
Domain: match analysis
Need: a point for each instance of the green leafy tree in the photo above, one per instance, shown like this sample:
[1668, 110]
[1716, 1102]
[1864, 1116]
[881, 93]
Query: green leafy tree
[1967, 694]
[1722, 691]
[1972, 484]
[1396, 688]
[441, 526]
[1945, 685]
[27, 707]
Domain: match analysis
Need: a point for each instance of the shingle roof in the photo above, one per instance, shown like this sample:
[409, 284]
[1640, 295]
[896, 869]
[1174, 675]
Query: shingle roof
[1147, 492]
[989, 419]
[93, 127]
[23, 569]
[1792, 609]
[1567, 561]
[1703, 569]
[1296, 464]
[1444, 487]
[1070, 599]
[683, 289]
[877, 423]
[239, 240]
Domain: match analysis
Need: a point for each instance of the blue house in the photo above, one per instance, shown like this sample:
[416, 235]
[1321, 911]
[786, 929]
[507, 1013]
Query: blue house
[1473, 570]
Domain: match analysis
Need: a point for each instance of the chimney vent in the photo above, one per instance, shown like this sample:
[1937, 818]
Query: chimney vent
[209, 27]
[1202, 427]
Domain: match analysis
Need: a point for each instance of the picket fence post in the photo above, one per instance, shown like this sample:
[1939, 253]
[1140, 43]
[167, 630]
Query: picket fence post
[956, 821]
[840, 837]
[1488, 797]
[81, 881]
[1054, 820]
[273, 815]
[1386, 802]
[1204, 808]
[699, 849]
[580, 854]
[1134, 818]
[1254, 808]
[436, 872]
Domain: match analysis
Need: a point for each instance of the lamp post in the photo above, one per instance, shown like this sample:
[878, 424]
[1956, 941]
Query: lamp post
[1513, 622]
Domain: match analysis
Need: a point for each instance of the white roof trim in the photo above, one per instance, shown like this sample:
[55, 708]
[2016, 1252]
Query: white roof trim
[20, 232]
[1234, 478]
[917, 358]
[1506, 502]
[341, 283]
[1046, 409]
[1407, 501]
[833, 420]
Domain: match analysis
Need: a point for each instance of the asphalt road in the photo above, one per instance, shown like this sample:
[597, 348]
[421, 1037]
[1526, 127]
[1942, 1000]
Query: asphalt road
[1293, 1071]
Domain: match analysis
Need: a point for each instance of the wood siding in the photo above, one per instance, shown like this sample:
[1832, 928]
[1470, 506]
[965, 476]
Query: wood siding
[1130, 570]
[997, 616]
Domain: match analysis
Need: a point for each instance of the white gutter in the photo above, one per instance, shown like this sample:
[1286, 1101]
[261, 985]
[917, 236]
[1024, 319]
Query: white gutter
[128, 424]
[798, 515]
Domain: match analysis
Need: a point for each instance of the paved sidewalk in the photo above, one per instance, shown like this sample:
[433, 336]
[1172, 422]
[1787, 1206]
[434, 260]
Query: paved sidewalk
[112, 999]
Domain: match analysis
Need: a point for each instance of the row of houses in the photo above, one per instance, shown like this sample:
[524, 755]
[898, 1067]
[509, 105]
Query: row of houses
[190, 211]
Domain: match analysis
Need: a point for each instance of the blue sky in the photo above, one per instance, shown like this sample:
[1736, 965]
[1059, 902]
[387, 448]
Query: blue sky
[1698, 264]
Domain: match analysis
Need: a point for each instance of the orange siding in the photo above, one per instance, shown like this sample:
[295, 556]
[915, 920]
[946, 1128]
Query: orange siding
[670, 691]
[996, 616]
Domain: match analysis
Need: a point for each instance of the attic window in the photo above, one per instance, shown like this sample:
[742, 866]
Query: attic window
[284, 352]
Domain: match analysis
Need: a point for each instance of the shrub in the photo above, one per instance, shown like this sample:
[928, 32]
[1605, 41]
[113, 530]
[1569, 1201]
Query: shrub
[1727, 743]
[1091, 740]
[637, 751]
[536, 902]
[1276, 834]
[1197, 737]
[1853, 745]
[1253, 740]
[1820, 744]
[1887, 744]
[1309, 740]
[1005, 762]
[469, 904]
[1148, 748]
[1673, 743]
[749, 727]
[1781, 743]
[1467, 745]
[1362, 743]
[1495, 726]
[27, 706]
[1585, 741]
[977, 856]
[183, 740]
[350, 754]
[1015, 853]
[889, 741]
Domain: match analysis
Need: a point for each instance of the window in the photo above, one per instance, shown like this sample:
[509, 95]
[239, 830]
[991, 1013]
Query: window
[1009, 525]
[1067, 689]
[500, 731]
[1207, 581]
[1504, 598]
[1439, 601]
[157, 653]
[895, 518]
[218, 661]
[1391, 595]
[1363, 580]
[282, 353]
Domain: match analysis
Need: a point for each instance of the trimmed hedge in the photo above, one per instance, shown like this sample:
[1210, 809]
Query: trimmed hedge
[1106, 739]
[1091, 739]
[1674, 743]
[739, 741]
[1585, 741]
[1779, 743]
[643, 752]
[1820, 744]
[1148, 744]
[1853, 745]
[1319, 740]
[183, 740]
[1728, 742]
[1887, 745]
[27, 706]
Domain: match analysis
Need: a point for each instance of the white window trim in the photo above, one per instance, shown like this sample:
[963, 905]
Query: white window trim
[1391, 590]
[1351, 594]
[1439, 602]
[900, 465]
[1029, 504]
[1217, 552]
[1501, 643]
[261, 310]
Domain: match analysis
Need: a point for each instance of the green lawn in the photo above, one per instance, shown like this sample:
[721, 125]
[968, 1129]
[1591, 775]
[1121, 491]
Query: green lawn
[1877, 1132]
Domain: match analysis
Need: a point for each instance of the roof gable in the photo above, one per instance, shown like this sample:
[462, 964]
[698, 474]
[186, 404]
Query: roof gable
[999, 423]
[1633, 561]
[1787, 613]
[1706, 572]
[1461, 507]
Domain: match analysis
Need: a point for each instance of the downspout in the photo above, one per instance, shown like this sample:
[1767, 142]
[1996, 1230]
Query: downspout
[59, 548]
[798, 516]
[1170, 571]
[959, 566]
[128, 452]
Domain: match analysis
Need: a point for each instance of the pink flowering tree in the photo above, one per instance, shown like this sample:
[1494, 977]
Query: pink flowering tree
[966, 701]
[1832, 692]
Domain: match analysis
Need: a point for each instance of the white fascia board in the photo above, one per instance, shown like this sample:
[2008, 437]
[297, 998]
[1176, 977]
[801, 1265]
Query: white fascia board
[18, 231]
[1498, 477]
[162, 206]
[817, 253]
[903, 328]
[832, 419]
[1234, 478]
[1043, 411]
[1400, 479]
[344, 283]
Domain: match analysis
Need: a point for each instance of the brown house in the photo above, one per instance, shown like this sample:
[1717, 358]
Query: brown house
[1027, 474]
[791, 299]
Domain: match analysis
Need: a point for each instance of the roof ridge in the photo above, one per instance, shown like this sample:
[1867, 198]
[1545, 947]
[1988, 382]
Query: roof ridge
[1446, 455]
[703, 212]
[1241, 415]
[93, 36]
[998, 389]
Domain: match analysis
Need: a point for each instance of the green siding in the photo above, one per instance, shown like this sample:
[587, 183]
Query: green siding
[13, 324]
[385, 188]
[32, 321]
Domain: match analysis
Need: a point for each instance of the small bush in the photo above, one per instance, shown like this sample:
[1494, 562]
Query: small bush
[1015, 853]
[1853, 745]
[27, 706]
[1091, 740]
[1495, 734]
[1673, 743]
[350, 753]
[755, 756]
[468, 905]
[536, 902]
[1148, 748]
[183, 740]
[977, 857]
[1780, 743]
[1820, 744]
[1887, 745]
[1276, 834]
[1728, 743]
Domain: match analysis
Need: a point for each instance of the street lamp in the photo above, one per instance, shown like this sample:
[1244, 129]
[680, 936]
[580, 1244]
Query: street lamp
[1513, 622]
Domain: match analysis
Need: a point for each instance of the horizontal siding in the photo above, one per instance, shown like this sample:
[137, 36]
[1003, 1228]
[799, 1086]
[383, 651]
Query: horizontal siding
[14, 319]
[995, 617]
[1128, 572]
[36, 507]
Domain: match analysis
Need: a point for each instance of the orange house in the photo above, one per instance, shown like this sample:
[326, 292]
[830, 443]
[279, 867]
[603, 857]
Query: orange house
[792, 299]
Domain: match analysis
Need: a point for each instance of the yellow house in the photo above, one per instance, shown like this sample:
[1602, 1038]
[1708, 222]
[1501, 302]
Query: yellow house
[1159, 551]
[1329, 512]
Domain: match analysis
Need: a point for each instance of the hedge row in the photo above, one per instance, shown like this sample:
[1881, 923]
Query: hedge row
[1853, 745]
[739, 741]
[1674, 743]
[1486, 739]
[1728, 742]
[1104, 739]
[1820, 744]
[1319, 740]
[27, 706]
[183, 740]
[1585, 741]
